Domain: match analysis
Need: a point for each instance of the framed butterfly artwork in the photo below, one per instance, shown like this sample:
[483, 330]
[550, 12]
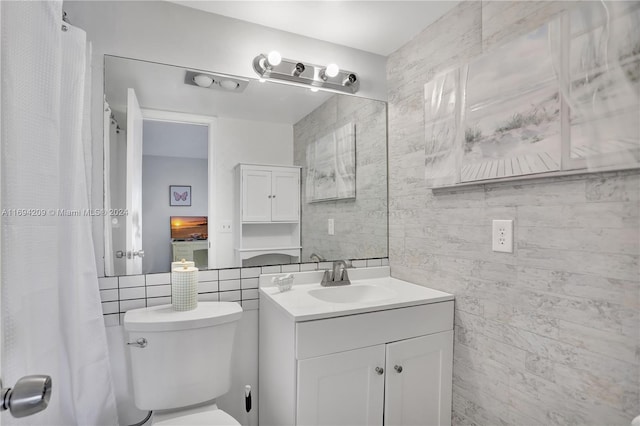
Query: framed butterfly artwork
[179, 195]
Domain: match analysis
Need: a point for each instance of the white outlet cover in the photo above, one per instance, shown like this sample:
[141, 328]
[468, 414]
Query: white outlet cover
[502, 236]
[225, 226]
[331, 228]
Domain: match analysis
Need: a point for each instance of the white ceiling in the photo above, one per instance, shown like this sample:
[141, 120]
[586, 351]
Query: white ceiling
[379, 27]
[162, 87]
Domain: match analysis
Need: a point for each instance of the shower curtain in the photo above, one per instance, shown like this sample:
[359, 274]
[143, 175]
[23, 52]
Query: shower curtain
[51, 313]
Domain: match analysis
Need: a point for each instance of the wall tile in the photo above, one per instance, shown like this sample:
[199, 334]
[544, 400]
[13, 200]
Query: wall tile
[546, 335]
[159, 291]
[126, 305]
[211, 275]
[250, 272]
[229, 274]
[249, 283]
[106, 283]
[230, 296]
[158, 279]
[250, 294]
[308, 267]
[131, 281]
[110, 307]
[208, 297]
[109, 295]
[294, 267]
[132, 293]
[156, 301]
[208, 287]
[229, 285]
[271, 269]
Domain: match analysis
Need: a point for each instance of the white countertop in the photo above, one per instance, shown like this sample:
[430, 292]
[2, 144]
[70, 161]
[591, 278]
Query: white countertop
[300, 305]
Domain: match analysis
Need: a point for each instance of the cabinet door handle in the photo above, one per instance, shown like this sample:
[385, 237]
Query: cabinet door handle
[398, 368]
[268, 196]
[273, 196]
[380, 370]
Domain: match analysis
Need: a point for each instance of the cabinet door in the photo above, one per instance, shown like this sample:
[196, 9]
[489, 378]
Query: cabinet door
[342, 388]
[285, 204]
[256, 196]
[419, 394]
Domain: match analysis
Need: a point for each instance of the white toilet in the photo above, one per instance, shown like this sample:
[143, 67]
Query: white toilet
[181, 361]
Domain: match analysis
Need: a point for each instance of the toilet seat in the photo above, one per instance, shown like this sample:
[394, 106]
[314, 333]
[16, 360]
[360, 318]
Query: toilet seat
[210, 415]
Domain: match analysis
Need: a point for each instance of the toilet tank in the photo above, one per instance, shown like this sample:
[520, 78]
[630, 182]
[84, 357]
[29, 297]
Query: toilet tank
[187, 356]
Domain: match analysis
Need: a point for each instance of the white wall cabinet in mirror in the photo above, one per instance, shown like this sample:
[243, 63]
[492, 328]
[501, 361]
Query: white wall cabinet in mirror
[270, 194]
[267, 219]
[264, 123]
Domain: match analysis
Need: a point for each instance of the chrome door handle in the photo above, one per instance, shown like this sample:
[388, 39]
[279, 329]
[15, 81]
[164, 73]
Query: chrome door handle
[398, 368]
[30, 395]
[119, 254]
[132, 254]
[379, 370]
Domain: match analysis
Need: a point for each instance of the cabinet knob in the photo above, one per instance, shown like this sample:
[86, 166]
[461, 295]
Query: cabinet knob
[380, 370]
[398, 368]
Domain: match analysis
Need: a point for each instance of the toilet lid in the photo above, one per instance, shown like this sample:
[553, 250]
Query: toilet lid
[210, 417]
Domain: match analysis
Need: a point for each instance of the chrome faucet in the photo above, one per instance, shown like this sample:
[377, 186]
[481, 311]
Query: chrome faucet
[338, 275]
[318, 257]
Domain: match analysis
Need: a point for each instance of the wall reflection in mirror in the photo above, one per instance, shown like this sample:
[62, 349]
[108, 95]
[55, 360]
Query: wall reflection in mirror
[228, 171]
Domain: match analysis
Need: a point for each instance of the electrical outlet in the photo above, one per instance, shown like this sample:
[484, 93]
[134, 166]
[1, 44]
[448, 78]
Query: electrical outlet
[502, 236]
[331, 227]
[225, 226]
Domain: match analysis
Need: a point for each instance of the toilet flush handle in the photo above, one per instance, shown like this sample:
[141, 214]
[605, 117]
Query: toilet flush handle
[141, 343]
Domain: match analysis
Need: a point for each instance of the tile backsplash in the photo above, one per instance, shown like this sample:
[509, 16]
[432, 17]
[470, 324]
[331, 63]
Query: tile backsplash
[120, 294]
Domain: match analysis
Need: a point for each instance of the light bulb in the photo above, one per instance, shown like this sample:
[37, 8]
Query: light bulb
[203, 80]
[274, 58]
[229, 84]
[332, 70]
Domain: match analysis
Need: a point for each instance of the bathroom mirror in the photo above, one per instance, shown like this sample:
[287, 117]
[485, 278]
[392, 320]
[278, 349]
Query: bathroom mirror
[172, 139]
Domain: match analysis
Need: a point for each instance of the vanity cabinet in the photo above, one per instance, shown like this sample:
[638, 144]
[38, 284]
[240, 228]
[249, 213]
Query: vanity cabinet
[389, 367]
[267, 211]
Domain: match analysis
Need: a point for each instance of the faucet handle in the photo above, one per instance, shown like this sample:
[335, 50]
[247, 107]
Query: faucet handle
[326, 278]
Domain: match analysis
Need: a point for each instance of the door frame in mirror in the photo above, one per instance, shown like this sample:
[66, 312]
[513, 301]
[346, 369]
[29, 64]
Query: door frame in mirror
[211, 123]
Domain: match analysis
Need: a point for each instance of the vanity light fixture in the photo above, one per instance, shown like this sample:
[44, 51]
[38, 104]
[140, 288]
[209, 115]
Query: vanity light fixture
[215, 81]
[330, 78]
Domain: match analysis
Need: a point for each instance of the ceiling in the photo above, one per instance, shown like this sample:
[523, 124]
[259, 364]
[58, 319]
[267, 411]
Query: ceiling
[162, 87]
[379, 27]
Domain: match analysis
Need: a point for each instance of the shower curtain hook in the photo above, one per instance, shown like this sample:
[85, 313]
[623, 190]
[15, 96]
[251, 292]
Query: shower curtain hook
[65, 19]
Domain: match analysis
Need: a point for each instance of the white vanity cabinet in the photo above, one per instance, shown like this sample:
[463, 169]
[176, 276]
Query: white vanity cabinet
[267, 211]
[388, 367]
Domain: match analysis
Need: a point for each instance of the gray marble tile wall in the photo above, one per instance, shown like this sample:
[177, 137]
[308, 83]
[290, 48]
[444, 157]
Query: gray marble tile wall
[360, 223]
[551, 333]
[120, 294]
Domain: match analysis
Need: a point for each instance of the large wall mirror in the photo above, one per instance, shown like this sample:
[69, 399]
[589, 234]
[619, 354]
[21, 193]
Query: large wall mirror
[174, 138]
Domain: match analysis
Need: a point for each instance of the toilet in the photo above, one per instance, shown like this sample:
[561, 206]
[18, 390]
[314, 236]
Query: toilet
[181, 361]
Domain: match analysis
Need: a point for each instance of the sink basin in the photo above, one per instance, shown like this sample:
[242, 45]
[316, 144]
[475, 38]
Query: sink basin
[352, 293]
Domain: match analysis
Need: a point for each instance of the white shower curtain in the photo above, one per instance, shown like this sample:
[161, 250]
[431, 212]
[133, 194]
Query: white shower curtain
[51, 315]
